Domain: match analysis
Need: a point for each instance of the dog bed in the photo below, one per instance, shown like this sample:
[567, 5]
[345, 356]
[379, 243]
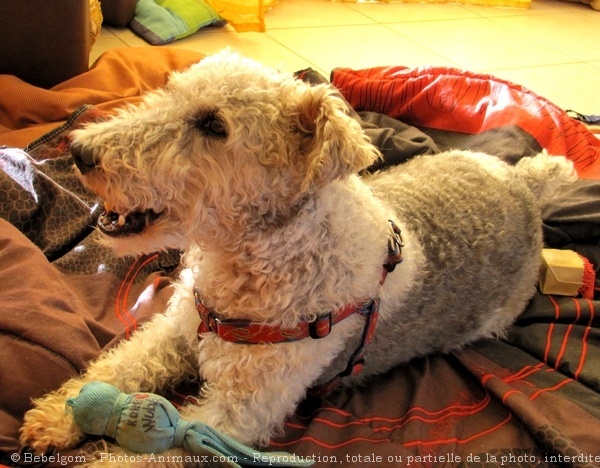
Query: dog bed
[531, 399]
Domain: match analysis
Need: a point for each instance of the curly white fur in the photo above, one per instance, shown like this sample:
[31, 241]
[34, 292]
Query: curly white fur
[254, 176]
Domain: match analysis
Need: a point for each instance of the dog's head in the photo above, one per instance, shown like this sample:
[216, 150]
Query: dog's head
[228, 147]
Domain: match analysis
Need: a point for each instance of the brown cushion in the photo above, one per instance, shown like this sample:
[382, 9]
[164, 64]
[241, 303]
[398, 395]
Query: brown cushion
[44, 44]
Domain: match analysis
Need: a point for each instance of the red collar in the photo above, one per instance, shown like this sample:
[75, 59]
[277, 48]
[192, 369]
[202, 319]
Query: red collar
[244, 331]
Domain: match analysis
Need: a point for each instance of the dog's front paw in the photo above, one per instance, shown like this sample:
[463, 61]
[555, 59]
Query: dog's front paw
[49, 425]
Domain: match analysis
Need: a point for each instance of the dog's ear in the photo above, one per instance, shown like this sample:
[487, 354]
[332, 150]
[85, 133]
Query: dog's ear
[334, 145]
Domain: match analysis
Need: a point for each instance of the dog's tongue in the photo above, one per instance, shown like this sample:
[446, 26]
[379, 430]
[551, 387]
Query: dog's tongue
[115, 224]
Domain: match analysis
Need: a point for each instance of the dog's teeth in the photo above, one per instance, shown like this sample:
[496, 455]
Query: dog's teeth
[121, 221]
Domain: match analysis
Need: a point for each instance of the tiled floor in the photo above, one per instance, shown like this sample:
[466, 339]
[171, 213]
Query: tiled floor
[552, 48]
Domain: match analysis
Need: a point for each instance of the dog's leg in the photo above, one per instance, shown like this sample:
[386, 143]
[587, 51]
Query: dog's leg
[157, 356]
[249, 390]
[248, 410]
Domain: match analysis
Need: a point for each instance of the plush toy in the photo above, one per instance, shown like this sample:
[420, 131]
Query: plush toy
[149, 423]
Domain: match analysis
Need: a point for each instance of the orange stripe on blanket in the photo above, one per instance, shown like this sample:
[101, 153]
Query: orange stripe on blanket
[456, 440]
[320, 443]
[121, 309]
[551, 329]
[584, 340]
[551, 389]
[527, 371]
[452, 440]
[444, 413]
[565, 341]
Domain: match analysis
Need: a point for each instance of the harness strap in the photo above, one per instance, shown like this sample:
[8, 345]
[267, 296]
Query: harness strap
[357, 360]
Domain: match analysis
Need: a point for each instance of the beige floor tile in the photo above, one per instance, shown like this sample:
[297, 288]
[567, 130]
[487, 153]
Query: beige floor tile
[571, 33]
[306, 13]
[356, 47]
[572, 86]
[552, 47]
[106, 31]
[481, 44]
[406, 12]
[129, 37]
[258, 46]
[106, 41]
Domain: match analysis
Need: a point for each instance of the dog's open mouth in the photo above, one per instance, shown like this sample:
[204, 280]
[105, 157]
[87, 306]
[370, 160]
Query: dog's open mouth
[116, 224]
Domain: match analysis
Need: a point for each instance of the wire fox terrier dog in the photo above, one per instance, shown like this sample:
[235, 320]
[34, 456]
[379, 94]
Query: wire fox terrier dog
[289, 253]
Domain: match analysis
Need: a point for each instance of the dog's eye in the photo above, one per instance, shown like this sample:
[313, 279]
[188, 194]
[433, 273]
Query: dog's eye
[211, 125]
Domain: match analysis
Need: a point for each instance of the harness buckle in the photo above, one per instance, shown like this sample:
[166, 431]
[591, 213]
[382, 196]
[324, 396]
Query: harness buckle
[209, 322]
[212, 322]
[368, 307]
[395, 244]
[320, 327]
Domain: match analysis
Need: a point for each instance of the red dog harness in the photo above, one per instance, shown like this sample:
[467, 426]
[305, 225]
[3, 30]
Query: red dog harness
[246, 332]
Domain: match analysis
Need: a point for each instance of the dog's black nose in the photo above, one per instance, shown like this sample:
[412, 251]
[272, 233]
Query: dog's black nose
[84, 159]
